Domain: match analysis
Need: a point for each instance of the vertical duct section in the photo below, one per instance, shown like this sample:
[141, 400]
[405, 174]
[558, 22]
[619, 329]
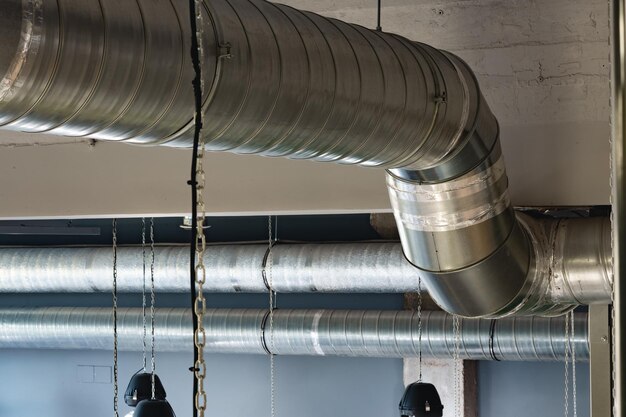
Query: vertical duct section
[281, 82]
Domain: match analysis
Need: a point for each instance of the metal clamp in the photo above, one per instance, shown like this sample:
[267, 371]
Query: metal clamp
[223, 50]
[492, 331]
[263, 326]
[264, 264]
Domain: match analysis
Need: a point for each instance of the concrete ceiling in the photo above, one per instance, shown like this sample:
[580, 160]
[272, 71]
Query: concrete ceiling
[543, 66]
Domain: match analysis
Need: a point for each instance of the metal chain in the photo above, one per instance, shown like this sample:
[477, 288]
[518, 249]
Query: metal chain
[458, 365]
[115, 341]
[143, 292]
[200, 244]
[152, 304]
[419, 328]
[573, 350]
[270, 283]
[200, 241]
[567, 364]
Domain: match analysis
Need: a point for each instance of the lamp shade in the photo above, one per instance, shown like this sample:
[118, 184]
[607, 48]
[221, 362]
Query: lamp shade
[154, 408]
[421, 399]
[140, 388]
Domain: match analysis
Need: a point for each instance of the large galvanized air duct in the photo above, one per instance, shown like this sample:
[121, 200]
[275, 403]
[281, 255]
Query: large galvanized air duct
[579, 273]
[281, 82]
[299, 332]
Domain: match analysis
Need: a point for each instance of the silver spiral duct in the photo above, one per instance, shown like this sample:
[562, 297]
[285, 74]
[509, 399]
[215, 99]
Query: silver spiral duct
[282, 82]
[579, 274]
[306, 267]
[299, 332]
[278, 81]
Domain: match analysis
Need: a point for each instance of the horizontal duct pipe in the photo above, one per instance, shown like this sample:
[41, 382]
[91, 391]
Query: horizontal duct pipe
[288, 83]
[307, 267]
[299, 332]
[580, 271]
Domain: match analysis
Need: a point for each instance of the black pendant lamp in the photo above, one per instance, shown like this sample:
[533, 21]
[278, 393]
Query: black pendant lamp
[154, 408]
[421, 399]
[140, 388]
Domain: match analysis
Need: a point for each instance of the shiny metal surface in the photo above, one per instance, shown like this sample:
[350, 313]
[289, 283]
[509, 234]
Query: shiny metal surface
[298, 332]
[295, 84]
[107, 70]
[493, 287]
[282, 82]
[456, 223]
[451, 205]
[464, 237]
[545, 267]
[567, 254]
[326, 267]
[579, 250]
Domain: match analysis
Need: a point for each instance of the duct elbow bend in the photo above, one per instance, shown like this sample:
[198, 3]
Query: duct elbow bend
[463, 235]
[457, 225]
[484, 260]
[478, 258]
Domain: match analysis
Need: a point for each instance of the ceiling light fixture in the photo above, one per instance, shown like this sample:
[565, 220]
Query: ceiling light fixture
[140, 385]
[420, 399]
[145, 390]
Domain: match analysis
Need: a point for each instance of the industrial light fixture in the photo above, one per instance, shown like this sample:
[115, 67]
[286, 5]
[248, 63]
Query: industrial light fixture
[140, 388]
[154, 408]
[420, 399]
[145, 390]
[140, 385]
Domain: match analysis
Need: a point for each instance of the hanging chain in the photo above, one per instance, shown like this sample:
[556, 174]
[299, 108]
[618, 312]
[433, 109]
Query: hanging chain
[567, 364]
[419, 328]
[152, 304]
[272, 305]
[143, 291]
[200, 244]
[200, 302]
[573, 350]
[458, 366]
[115, 382]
